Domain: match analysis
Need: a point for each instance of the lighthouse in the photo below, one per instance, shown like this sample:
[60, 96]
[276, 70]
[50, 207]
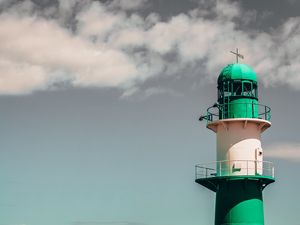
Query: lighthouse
[239, 174]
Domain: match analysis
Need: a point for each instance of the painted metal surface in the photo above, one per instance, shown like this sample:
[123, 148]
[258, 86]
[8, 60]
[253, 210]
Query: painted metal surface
[238, 144]
[213, 182]
[241, 108]
[239, 175]
[237, 92]
[237, 71]
[246, 109]
[262, 124]
[239, 202]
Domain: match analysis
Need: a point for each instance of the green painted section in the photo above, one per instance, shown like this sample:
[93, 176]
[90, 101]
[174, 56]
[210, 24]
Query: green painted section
[212, 183]
[239, 199]
[239, 202]
[237, 72]
[237, 92]
[239, 108]
[243, 108]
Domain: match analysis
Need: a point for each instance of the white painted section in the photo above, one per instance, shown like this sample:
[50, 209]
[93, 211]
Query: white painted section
[239, 149]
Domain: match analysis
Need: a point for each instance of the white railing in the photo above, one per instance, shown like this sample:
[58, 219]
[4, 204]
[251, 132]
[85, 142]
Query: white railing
[235, 168]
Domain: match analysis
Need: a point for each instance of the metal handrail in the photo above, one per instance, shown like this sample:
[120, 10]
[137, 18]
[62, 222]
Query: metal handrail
[235, 168]
[213, 112]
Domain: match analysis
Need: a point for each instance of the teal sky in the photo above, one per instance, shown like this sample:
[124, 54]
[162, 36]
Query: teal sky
[97, 152]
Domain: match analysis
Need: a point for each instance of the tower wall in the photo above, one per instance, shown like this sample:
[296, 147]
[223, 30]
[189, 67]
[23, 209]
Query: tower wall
[239, 202]
[239, 174]
[239, 148]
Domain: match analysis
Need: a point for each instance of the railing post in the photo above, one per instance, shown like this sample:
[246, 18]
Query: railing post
[265, 112]
[247, 168]
[228, 168]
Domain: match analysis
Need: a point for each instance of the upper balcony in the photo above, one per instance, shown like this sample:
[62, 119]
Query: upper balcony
[237, 110]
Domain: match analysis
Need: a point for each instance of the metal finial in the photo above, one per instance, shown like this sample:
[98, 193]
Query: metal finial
[237, 55]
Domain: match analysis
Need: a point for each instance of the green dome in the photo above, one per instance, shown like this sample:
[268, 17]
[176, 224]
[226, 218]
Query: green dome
[237, 72]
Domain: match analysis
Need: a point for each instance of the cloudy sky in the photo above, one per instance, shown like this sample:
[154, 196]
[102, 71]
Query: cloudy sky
[100, 101]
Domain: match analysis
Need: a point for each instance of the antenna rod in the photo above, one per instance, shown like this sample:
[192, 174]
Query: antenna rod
[237, 55]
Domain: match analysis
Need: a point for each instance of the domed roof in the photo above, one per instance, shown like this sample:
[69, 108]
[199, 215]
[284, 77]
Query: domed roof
[237, 72]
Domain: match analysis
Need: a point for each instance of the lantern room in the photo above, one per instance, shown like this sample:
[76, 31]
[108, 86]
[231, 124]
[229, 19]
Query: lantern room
[237, 92]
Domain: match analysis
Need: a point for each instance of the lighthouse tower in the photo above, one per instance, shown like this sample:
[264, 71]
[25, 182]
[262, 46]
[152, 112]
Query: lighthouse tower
[239, 174]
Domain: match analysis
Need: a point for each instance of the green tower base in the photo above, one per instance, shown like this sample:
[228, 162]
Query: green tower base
[239, 199]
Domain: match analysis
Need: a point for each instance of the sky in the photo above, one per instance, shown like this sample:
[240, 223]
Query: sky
[100, 103]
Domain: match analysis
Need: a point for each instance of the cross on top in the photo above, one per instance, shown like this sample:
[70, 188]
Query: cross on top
[237, 55]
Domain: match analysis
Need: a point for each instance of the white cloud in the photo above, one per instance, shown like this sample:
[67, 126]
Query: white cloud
[128, 4]
[13, 79]
[286, 151]
[95, 21]
[141, 94]
[105, 46]
[52, 49]
[227, 10]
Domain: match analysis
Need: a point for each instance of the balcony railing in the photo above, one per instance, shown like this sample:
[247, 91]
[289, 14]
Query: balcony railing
[229, 110]
[235, 168]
